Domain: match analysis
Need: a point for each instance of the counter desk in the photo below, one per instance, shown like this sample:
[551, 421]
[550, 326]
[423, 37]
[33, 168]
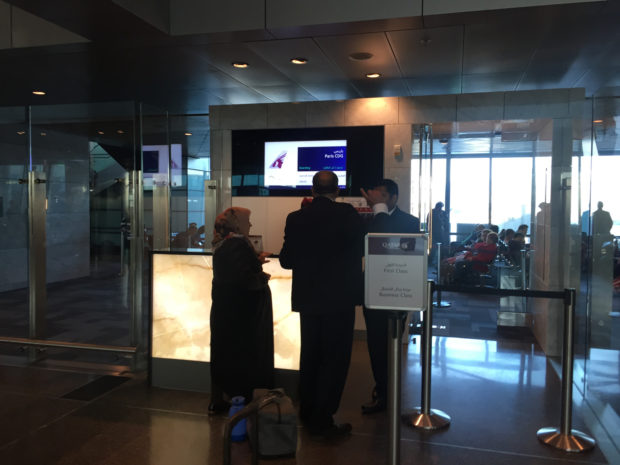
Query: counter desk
[180, 312]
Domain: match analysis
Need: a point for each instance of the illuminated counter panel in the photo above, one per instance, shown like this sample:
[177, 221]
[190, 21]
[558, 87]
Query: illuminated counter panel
[181, 306]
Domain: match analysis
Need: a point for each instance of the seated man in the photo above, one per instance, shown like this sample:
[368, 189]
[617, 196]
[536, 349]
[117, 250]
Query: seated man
[513, 255]
[502, 245]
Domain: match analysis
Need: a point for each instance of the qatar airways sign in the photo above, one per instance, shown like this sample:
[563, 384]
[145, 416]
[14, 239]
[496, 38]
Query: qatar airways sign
[396, 271]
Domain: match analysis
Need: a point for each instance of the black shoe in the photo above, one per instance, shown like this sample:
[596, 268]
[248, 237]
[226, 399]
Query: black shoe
[333, 432]
[374, 406]
[216, 408]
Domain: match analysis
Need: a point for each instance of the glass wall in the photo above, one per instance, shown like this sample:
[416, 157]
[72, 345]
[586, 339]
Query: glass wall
[191, 135]
[487, 172]
[86, 153]
[509, 173]
[600, 229]
[14, 166]
[71, 281]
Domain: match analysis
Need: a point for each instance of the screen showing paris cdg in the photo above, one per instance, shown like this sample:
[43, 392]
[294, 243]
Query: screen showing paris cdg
[282, 162]
[292, 164]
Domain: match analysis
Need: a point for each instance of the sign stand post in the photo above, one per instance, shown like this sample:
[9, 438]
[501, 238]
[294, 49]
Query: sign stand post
[395, 278]
[424, 417]
[394, 386]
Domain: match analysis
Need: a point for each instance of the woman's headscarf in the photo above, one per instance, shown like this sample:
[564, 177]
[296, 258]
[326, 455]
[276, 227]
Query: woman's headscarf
[227, 222]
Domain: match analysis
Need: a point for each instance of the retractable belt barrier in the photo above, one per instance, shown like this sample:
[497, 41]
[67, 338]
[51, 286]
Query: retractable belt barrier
[564, 438]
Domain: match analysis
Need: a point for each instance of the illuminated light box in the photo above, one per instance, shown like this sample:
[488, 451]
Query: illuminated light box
[181, 307]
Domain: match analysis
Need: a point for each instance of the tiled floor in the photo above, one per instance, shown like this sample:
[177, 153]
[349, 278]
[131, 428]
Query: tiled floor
[498, 394]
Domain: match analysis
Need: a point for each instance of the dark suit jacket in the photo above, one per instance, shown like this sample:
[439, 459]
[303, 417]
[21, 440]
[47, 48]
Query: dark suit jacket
[397, 222]
[323, 245]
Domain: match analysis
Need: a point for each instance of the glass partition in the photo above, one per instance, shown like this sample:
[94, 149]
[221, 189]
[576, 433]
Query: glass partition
[85, 153]
[190, 135]
[600, 228]
[14, 166]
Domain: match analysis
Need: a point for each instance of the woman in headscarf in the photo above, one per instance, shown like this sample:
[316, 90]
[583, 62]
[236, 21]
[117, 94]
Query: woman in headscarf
[241, 312]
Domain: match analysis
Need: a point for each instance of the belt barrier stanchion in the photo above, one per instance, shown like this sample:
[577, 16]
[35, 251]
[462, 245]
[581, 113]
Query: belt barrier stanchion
[523, 270]
[440, 303]
[424, 417]
[565, 438]
[394, 383]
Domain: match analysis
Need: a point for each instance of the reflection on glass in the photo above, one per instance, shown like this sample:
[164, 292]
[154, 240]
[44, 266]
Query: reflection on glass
[13, 223]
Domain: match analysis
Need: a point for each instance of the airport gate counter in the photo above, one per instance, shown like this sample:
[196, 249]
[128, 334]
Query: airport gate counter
[180, 333]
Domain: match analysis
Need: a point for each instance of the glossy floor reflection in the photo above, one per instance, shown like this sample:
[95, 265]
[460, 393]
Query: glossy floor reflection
[498, 393]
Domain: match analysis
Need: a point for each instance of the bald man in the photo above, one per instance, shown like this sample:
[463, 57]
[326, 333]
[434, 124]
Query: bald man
[323, 245]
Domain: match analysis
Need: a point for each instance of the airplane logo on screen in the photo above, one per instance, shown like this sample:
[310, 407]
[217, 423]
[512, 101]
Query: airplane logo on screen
[278, 161]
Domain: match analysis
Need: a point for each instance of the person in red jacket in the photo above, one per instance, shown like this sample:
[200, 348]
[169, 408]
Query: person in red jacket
[477, 260]
[483, 253]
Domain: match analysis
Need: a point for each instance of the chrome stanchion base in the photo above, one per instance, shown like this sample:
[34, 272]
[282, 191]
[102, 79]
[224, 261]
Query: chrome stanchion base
[442, 304]
[435, 419]
[574, 442]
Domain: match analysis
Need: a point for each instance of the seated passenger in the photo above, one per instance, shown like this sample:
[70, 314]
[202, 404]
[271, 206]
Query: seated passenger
[473, 236]
[502, 244]
[513, 255]
[469, 265]
[484, 253]
[483, 236]
[183, 240]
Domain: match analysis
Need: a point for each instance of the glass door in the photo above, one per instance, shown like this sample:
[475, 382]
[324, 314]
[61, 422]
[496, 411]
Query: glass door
[14, 166]
[85, 154]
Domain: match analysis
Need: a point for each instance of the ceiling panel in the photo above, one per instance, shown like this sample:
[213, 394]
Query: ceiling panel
[498, 48]
[319, 76]
[285, 93]
[259, 71]
[435, 85]
[551, 77]
[428, 52]
[490, 82]
[382, 87]
[338, 49]
[519, 49]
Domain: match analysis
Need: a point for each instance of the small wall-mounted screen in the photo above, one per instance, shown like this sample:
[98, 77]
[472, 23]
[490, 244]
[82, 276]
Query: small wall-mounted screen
[292, 164]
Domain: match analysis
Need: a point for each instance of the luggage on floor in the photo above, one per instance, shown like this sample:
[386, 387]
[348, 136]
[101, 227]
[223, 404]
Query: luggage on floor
[277, 423]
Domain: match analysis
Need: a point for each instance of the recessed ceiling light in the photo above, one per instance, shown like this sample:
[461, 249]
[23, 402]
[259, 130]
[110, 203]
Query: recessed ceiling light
[44, 134]
[38, 92]
[101, 133]
[360, 56]
[240, 64]
[188, 133]
[21, 133]
[299, 61]
[597, 121]
[120, 131]
[373, 75]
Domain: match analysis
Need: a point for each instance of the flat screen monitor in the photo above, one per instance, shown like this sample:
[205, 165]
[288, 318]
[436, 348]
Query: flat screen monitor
[292, 164]
[282, 162]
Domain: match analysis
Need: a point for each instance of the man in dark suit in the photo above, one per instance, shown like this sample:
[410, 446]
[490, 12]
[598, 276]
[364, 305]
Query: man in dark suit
[323, 245]
[388, 218]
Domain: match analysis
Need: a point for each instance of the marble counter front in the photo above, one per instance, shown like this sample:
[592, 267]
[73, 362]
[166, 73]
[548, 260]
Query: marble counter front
[181, 306]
